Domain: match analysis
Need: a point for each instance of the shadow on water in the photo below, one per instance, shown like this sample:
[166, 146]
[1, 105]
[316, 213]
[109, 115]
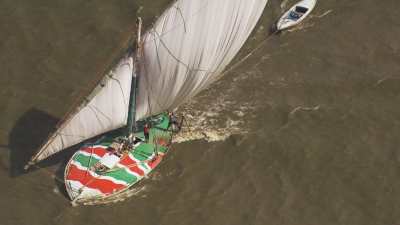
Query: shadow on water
[29, 132]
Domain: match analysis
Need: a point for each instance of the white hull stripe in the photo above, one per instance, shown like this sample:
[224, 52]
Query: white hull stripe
[129, 171]
[95, 146]
[99, 146]
[76, 187]
[144, 168]
[79, 165]
[90, 154]
[133, 158]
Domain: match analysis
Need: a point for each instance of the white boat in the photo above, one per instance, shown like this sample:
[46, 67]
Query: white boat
[296, 14]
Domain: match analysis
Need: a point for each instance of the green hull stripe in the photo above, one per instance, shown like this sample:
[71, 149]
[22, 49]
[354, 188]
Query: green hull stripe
[118, 173]
[143, 152]
[84, 160]
[121, 174]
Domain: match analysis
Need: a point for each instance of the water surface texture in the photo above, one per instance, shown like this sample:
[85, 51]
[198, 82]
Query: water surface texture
[306, 131]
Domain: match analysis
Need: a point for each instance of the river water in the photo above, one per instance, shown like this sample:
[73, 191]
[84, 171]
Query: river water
[306, 131]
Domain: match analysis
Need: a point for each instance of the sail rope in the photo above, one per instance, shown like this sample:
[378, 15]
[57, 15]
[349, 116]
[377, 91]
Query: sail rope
[176, 58]
[122, 90]
[94, 109]
[183, 19]
[242, 60]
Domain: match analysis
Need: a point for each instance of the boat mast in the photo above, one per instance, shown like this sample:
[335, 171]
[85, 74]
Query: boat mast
[131, 126]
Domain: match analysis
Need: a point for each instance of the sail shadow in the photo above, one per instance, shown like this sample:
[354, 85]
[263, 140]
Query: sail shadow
[28, 133]
[59, 174]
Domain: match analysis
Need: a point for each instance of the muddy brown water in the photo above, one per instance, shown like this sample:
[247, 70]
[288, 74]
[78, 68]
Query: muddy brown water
[314, 116]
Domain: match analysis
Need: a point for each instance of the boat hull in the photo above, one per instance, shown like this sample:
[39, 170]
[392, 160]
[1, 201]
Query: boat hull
[86, 186]
[286, 21]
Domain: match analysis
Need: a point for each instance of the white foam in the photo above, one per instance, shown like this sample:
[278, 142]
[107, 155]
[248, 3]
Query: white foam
[283, 4]
[220, 111]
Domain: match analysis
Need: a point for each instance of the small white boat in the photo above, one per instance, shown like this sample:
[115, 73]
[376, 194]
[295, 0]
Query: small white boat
[296, 14]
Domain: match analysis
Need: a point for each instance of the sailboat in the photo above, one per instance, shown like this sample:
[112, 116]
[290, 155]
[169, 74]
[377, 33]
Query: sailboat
[183, 53]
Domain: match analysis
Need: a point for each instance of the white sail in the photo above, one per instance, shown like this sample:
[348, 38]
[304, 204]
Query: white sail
[106, 109]
[188, 48]
[185, 51]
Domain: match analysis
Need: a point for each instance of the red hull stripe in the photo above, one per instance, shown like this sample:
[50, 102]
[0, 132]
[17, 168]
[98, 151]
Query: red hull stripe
[96, 150]
[153, 163]
[132, 165]
[105, 186]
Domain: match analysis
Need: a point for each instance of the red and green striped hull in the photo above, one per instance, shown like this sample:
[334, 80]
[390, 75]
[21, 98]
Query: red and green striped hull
[84, 185]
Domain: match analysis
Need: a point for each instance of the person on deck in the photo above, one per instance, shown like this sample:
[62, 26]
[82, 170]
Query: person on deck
[134, 141]
[146, 131]
[173, 122]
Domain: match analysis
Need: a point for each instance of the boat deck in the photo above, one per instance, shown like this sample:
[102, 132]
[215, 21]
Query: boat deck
[83, 184]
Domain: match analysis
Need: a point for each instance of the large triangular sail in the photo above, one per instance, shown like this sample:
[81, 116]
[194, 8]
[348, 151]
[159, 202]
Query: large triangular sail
[188, 48]
[105, 109]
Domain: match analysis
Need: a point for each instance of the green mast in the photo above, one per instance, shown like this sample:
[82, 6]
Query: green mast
[131, 126]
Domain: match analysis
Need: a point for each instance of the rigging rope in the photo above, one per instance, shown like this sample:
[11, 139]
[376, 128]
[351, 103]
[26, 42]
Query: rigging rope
[238, 63]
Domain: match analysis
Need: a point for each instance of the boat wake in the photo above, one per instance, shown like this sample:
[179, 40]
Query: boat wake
[283, 4]
[210, 135]
[209, 125]
[301, 27]
[311, 22]
[215, 116]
